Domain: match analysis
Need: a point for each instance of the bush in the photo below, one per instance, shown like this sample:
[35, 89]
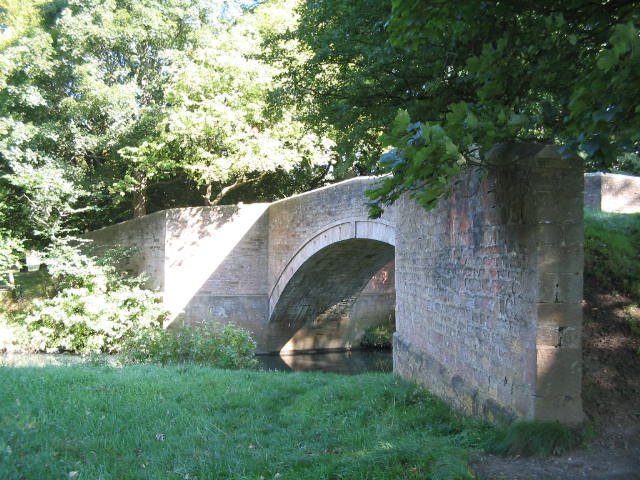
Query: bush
[93, 308]
[221, 346]
[380, 337]
[82, 321]
[10, 251]
[611, 244]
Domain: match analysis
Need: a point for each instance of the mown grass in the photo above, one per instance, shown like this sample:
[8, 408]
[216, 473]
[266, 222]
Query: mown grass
[150, 422]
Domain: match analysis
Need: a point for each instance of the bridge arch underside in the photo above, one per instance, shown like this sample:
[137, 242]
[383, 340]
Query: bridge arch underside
[318, 308]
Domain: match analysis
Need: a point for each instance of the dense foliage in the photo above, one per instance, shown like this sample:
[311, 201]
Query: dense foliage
[214, 345]
[343, 76]
[551, 71]
[110, 109]
[379, 336]
[87, 306]
[465, 77]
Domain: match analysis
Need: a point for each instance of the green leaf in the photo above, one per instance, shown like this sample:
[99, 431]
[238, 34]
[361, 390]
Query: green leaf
[591, 147]
[401, 123]
[607, 60]
[471, 121]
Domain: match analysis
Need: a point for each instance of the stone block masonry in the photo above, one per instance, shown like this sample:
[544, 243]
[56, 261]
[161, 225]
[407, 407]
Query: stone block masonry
[146, 237]
[209, 262]
[488, 285]
[489, 289]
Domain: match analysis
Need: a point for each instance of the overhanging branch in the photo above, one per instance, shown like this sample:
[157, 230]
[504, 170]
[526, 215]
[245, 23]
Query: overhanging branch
[242, 181]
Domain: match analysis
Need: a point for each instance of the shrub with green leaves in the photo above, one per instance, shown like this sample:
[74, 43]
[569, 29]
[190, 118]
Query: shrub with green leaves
[612, 256]
[81, 320]
[217, 345]
[10, 251]
[379, 336]
[93, 307]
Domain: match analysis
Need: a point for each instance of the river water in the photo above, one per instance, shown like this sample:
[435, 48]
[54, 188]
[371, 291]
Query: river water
[351, 362]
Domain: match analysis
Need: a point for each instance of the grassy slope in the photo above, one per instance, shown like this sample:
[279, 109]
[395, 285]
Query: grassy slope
[195, 422]
[612, 250]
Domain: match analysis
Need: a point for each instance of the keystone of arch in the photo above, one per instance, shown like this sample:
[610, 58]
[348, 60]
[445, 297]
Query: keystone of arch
[337, 232]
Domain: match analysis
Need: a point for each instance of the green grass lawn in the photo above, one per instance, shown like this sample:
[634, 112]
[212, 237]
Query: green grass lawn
[31, 284]
[149, 422]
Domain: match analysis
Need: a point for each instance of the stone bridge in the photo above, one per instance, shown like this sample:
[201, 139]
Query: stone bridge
[485, 290]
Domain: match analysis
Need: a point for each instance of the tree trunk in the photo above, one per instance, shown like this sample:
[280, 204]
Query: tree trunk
[229, 188]
[140, 196]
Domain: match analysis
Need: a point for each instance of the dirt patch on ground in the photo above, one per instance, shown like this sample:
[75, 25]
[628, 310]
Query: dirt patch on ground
[611, 397]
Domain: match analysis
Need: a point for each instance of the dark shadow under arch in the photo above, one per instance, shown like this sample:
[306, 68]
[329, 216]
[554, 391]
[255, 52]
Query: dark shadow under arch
[317, 298]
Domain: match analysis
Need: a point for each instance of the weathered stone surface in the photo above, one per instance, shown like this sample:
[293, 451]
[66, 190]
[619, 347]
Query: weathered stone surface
[474, 275]
[611, 192]
[146, 236]
[487, 286]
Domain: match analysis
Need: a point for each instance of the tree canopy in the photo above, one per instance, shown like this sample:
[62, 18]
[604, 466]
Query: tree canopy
[104, 103]
[114, 108]
[551, 71]
[461, 77]
[344, 77]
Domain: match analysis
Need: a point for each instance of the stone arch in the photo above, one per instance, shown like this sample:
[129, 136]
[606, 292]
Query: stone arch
[345, 229]
[313, 311]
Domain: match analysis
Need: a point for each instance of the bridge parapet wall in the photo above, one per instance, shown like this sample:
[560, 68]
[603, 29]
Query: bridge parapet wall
[612, 192]
[489, 286]
[146, 237]
[302, 225]
[323, 252]
[215, 265]
[209, 262]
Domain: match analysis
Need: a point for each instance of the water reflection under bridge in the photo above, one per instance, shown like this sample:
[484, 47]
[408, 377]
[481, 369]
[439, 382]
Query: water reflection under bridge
[350, 362]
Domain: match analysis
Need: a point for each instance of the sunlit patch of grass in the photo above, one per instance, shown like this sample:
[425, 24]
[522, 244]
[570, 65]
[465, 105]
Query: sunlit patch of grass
[190, 421]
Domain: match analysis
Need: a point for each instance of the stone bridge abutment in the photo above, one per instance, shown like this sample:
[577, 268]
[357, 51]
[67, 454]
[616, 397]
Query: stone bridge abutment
[485, 289]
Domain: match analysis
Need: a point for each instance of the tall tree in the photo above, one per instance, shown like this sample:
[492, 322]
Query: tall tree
[37, 189]
[473, 74]
[551, 71]
[102, 100]
[215, 122]
[343, 75]
[121, 54]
